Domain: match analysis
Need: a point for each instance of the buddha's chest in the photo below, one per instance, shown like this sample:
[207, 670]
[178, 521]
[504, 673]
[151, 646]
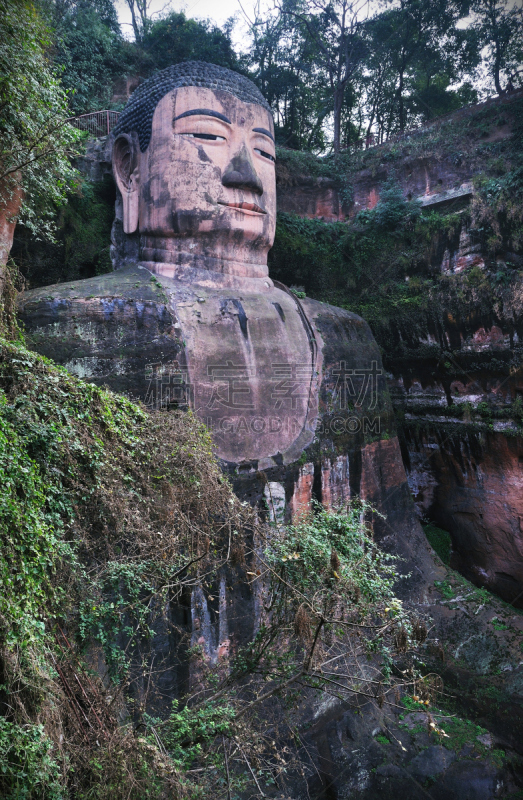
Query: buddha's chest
[250, 372]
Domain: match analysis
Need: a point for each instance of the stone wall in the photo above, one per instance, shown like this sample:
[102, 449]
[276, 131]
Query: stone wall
[458, 396]
[455, 372]
[435, 177]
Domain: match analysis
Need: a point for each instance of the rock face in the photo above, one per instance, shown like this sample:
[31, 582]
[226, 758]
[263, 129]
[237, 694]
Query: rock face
[456, 386]
[316, 432]
[435, 180]
[471, 484]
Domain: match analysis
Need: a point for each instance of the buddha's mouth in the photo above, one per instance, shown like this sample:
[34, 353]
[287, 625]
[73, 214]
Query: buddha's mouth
[247, 208]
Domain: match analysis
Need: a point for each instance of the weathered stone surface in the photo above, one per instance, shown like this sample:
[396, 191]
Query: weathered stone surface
[196, 174]
[151, 338]
[96, 163]
[431, 762]
[456, 380]
[8, 211]
[365, 753]
[462, 441]
[302, 496]
[108, 330]
[434, 181]
[468, 780]
[335, 482]
[314, 198]
[472, 485]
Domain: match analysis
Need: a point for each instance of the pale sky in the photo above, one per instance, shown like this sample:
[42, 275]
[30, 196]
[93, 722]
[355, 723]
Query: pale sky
[216, 10]
[220, 10]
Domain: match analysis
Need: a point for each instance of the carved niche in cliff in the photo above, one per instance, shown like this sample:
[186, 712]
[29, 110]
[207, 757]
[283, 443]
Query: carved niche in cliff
[291, 387]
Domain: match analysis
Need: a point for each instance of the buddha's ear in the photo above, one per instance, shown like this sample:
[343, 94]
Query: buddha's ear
[127, 175]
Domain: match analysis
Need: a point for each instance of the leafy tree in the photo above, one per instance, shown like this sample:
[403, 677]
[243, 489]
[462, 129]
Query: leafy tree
[175, 38]
[451, 55]
[324, 67]
[88, 50]
[283, 61]
[333, 27]
[378, 83]
[35, 140]
[499, 24]
[435, 98]
[419, 39]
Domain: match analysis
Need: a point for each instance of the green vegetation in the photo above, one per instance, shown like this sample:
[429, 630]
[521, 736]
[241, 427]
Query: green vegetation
[404, 65]
[175, 38]
[28, 769]
[446, 722]
[410, 705]
[445, 588]
[84, 476]
[36, 143]
[440, 540]
[361, 266]
[82, 239]
[108, 516]
[89, 50]
[461, 732]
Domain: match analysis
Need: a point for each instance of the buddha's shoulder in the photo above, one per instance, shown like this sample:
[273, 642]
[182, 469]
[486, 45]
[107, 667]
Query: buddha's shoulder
[130, 283]
[332, 321]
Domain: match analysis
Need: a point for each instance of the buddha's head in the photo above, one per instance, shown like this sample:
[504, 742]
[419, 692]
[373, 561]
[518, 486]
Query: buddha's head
[194, 161]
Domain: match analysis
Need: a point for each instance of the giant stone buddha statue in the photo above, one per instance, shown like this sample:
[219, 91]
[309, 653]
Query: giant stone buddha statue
[194, 160]
[292, 390]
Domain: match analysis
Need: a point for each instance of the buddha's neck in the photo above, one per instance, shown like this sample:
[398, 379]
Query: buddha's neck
[202, 253]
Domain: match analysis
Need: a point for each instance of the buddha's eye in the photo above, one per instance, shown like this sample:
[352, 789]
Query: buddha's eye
[210, 137]
[264, 154]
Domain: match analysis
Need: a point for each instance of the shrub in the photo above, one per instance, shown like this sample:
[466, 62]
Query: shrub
[28, 770]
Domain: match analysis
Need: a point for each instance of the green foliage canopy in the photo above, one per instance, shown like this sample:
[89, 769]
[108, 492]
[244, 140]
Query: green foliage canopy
[176, 38]
[35, 140]
[499, 25]
[88, 51]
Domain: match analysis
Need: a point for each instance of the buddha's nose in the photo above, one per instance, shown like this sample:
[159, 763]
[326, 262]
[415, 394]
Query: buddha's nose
[240, 173]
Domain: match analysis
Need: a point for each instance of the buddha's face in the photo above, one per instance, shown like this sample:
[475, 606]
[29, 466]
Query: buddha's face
[207, 173]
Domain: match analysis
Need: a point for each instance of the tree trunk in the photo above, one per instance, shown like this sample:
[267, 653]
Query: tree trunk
[499, 90]
[9, 209]
[338, 105]
[401, 104]
[136, 30]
